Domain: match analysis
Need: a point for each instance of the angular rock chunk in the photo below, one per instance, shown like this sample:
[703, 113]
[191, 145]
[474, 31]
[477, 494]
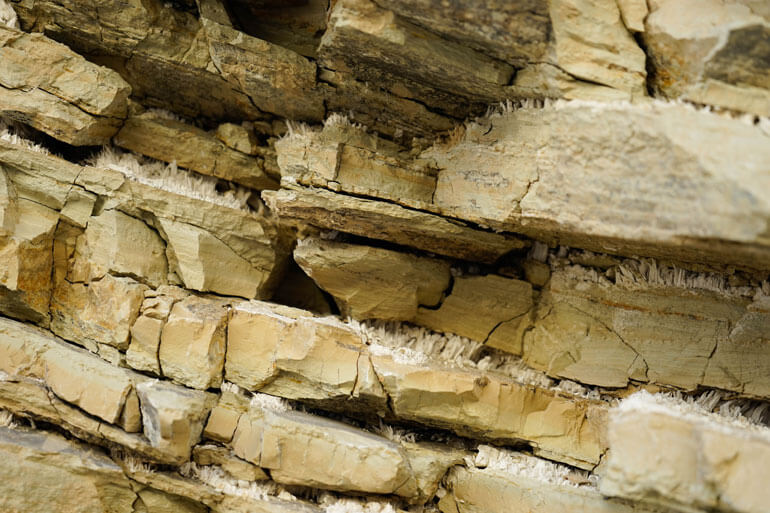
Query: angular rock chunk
[381, 110]
[63, 95]
[712, 52]
[371, 282]
[74, 375]
[192, 344]
[377, 46]
[236, 467]
[515, 32]
[205, 263]
[276, 79]
[556, 171]
[59, 475]
[559, 427]
[192, 148]
[26, 249]
[289, 353]
[142, 353]
[592, 44]
[48, 179]
[478, 305]
[173, 416]
[389, 222]
[117, 243]
[101, 312]
[302, 449]
[670, 453]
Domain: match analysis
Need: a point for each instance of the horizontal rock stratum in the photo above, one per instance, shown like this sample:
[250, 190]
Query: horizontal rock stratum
[384, 257]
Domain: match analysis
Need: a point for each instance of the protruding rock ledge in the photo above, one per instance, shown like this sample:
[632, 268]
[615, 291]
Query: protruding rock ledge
[527, 171]
[390, 222]
[63, 95]
[670, 453]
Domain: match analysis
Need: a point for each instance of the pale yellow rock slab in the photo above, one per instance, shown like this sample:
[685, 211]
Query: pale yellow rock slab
[205, 263]
[236, 467]
[684, 458]
[592, 44]
[192, 343]
[491, 491]
[371, 282]
[173, 416]
[558, 426]
[44, 472]
[698, 51]
[555, 172]
[192, 148]
[302, 449]
[101, 312]
[477, 305]
[63, 95]
[117, 243]
[26, 260]
[390, 222]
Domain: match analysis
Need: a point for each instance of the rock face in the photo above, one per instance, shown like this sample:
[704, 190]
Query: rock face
[687, 459]
[726, 48]
[63, 95]
[368, 256]
[373, 283]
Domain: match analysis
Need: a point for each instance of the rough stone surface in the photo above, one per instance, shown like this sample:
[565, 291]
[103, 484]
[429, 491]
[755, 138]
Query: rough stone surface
[560, 427]
[59, 475]
[117, 243]
[712, 52]
[192, 148]
[286, 352]
[142, 353]
[205, 263]
[559, 171]
[301, 449]
[173, 416]
[478, 305]
[392, 223]
[370, 282]
[26, 248]
[593, 331]
[102, 311]
[493, 491]
[659, 454]
[63, 95]
[192, 344]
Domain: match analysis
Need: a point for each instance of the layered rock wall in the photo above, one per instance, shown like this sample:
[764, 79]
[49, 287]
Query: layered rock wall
[368, 256]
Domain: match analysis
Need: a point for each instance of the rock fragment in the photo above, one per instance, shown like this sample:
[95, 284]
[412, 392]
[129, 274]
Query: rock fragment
[63, 95]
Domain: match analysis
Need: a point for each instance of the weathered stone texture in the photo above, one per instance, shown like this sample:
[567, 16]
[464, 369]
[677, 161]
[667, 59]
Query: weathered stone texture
[371, 282]
[192, 343]
[63, 95]
[192, 148]
[661, 454]
[44, 472]
[714, 52]
[392, 223]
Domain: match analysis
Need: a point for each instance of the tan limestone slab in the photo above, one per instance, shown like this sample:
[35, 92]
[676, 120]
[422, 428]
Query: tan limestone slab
[193, 342]
[192, 148]
[685, 458]
[64, 95]
[173, 416]
[57, 474]
[390, 222]
[477, 305]
[372, 282]
[102, 311]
